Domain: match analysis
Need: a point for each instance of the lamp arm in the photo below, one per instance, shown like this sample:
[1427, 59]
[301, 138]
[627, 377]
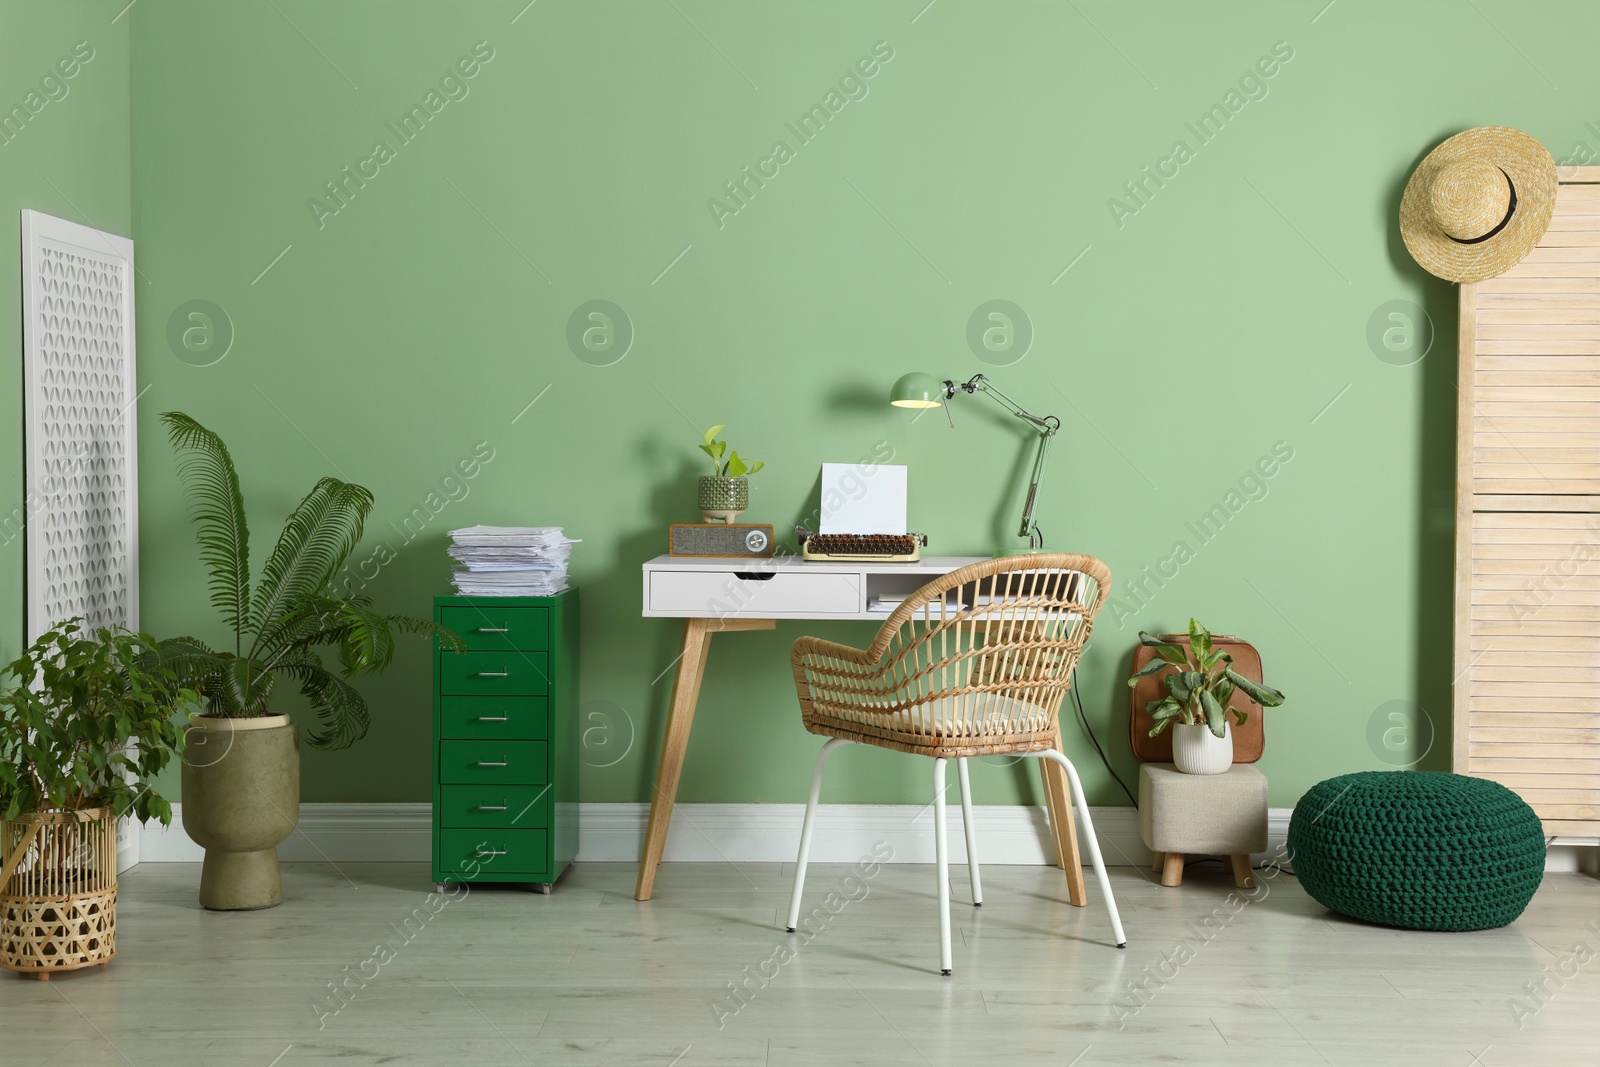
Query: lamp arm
[978, 383]
[1046, 427]
[1030, 528]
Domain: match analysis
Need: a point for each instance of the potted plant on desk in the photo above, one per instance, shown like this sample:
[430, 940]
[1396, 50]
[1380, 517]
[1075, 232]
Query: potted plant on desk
[724, 494]
[1200, 688]
[86, 721]
[241, 783]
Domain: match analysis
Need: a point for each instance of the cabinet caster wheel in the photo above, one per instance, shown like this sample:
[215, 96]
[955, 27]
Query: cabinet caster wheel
[441, 887]
[543, 887]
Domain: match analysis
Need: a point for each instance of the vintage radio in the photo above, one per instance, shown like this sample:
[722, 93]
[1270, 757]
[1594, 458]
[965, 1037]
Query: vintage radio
[729, 539]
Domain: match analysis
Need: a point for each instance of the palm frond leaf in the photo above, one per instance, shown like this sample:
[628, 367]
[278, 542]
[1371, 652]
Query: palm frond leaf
[189, 658]
[318, 537]
[341, 710]
[217, 508]
[364, 637]
[248, 686]
[408, 624]
[366, 644]
[316, 620]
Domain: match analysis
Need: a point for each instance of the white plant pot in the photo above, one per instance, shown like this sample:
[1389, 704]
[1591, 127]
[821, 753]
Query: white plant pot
[1196, 750]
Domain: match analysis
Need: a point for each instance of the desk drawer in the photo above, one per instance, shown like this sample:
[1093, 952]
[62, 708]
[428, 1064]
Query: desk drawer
[492, 629]
[497, 718]
[522, 807]
[493, 762]
[494, 673]
[496, 854]
[717, 593]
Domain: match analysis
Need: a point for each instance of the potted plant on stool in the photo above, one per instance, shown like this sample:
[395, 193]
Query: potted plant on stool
[1199, 689]
[241, 784]
[85, 723]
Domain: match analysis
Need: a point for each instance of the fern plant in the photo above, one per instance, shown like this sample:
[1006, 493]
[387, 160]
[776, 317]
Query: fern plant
[292, 612]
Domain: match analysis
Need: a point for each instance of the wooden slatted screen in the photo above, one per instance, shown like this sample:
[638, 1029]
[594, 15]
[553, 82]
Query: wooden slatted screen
[1527, 636]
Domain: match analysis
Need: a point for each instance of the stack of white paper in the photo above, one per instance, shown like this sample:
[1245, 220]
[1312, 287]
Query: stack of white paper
[510, 560]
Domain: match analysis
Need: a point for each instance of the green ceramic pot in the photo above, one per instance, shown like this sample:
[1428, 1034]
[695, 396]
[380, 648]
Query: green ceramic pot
[722, 499]
[241, 799]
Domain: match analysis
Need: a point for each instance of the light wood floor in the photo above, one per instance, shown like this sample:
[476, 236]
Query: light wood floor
[588, 976]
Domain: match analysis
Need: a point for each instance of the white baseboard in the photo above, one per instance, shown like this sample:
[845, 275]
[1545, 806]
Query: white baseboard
[770, 833]
[744, 833]
[347, 833]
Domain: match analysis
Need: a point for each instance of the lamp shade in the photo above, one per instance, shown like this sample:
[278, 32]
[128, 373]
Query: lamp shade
[917, 390]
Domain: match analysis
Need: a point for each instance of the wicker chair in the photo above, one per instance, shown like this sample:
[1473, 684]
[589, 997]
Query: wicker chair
[973, 664]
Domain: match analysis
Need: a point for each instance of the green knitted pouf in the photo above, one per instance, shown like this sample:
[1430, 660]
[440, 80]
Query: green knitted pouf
[1423, 850]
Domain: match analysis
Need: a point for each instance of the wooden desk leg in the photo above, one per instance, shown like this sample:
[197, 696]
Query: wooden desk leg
[1059, 794]
[675, 742]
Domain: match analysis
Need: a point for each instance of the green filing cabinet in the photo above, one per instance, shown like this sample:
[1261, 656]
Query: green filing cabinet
[505, 739]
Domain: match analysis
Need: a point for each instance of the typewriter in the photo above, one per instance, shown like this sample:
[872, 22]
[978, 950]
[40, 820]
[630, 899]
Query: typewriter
[860, 548]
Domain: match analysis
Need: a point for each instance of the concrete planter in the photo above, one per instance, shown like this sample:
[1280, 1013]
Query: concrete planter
[241, 799]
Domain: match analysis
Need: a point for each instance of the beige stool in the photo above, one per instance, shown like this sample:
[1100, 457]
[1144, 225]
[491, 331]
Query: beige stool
[1203, 815]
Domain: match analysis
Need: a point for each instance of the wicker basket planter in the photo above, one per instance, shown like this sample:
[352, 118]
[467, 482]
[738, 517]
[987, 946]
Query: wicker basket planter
[58, 891]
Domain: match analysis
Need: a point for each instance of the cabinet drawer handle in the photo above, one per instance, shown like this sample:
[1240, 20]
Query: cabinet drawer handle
[491, 852]
[493, 674]
[494, 629]
[492, 807]
[492, 718]
[755, 576]
[486, 763]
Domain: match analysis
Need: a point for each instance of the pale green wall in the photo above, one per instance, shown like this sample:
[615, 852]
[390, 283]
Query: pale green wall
[69, 158]
[1220, 319]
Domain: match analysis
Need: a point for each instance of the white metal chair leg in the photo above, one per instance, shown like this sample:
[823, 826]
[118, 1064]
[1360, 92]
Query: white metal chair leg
[941, 852]
[972, 833]
[805, 830]
[1082, 806]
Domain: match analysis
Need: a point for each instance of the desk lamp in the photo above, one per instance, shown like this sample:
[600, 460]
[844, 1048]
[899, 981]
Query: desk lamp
[918, 390]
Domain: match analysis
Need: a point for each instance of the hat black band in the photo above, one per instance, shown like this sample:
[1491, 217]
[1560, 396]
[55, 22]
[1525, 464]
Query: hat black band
[1511, 209]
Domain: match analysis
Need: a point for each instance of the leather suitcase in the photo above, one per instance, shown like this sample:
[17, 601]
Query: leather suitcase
[1248, 740]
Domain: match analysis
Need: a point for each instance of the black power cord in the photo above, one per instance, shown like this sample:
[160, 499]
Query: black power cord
[1083, 721]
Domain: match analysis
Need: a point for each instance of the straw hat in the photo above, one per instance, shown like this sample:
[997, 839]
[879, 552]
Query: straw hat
[1478, 203]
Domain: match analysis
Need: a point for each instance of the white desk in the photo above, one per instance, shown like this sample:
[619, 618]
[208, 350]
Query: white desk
[722, 595]
[677, 587]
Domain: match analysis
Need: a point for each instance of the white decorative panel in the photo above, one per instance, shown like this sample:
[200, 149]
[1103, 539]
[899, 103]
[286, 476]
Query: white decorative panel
[79, 422]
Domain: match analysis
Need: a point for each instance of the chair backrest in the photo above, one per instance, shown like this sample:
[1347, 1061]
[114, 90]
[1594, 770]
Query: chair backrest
[1003, 630]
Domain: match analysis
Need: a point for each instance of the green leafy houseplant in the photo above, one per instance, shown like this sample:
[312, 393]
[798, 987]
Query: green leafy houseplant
[735, 466]
[70, 706]
[293, 610]
[1201, 684]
